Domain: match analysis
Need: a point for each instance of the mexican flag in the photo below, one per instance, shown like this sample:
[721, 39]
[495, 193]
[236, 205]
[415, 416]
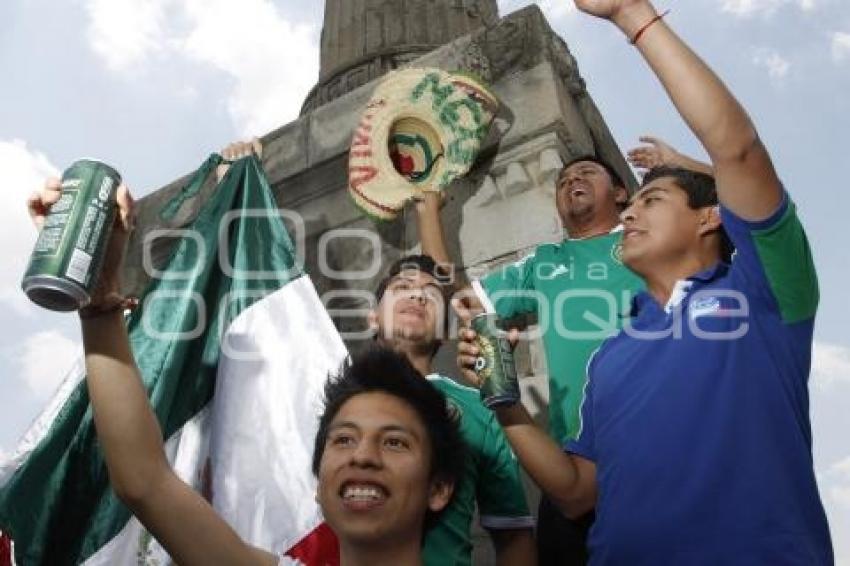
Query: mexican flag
[234, 348]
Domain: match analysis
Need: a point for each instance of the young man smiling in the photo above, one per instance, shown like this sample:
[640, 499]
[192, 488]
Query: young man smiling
[388, 456]
[695, 441]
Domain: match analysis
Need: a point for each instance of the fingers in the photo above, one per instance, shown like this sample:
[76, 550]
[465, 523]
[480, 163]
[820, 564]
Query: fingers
[466, 306]
[461, 310]
[126, 208]
[39, 202]
[53, 184]
[240, 149]
[257, 147]
[644, 157]
[466, 336]
[467, 354]
[471, 377]
[513, 337]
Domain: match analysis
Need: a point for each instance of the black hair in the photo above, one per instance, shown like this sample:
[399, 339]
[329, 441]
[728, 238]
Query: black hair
[423, 263]
[616, 179]
[385, 371]
[701, 191]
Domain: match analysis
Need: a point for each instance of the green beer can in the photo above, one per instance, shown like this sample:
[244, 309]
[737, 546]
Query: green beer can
[65, 264]
[495, 363]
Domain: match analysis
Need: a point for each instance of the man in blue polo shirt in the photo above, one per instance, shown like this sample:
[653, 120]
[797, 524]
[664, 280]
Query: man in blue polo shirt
[695, 441]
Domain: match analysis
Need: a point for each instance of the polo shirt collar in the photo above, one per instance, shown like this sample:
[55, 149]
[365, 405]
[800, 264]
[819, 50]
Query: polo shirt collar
[716, 271]
[680, 290]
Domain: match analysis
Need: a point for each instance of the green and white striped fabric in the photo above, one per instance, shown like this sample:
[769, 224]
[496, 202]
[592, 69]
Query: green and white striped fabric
[226, 281]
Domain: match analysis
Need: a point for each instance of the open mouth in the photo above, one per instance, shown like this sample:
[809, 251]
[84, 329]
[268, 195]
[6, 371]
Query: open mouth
[362, 495]
[417, 312]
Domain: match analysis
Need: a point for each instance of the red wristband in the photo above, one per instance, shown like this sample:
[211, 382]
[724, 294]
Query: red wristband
[646, 26]
[116, 303]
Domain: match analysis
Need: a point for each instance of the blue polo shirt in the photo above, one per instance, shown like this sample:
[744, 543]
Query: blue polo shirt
[697, 414]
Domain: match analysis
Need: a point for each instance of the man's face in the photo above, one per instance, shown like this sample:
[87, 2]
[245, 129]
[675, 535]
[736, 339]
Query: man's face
[412, 308]
[659, 227]
[374, 473]
[585, 190]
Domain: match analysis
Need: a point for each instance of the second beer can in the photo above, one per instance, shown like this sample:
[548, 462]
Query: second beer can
[65, 264]
[495, 363]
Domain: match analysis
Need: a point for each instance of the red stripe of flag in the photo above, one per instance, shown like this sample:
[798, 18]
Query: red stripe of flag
[319, 548]
[5, 550]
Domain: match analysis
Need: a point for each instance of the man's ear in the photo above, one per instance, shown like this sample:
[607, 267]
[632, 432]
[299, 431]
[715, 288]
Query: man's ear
[440, 494]
[372, 320]
[709, 220]
[621, 195]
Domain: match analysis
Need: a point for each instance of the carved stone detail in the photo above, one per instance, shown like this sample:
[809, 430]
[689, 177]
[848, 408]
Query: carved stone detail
[364, 39]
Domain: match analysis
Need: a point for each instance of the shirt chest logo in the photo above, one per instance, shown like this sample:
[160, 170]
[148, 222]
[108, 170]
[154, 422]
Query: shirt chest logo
[705, 306]
[617, 253]
[555, 271]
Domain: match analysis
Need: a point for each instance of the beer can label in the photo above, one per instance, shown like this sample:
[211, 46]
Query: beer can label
[64, 265]
[495, 364]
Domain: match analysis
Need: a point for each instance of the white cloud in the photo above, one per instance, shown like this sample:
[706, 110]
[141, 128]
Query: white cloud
[830, 365]
[557, 9]
[776, 65]
[22, 171]
[749, 8]
[44, 373]
[840, 46]
[554, 9]
[272, 63]
[834, 486]
[126, 32]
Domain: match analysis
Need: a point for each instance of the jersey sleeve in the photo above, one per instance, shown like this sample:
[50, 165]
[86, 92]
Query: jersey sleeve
[500, 493]
[774, 261]
[510, 289]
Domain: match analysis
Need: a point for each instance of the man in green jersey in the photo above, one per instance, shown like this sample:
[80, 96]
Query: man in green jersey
[577, 290]
[410, 318]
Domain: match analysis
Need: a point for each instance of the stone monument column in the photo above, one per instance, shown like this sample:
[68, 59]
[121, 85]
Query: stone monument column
[364, 39]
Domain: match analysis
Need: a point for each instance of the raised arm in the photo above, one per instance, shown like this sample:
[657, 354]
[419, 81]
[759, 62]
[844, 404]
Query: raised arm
[431, 233]
[746, 180]
[127, 429]
[567, 479]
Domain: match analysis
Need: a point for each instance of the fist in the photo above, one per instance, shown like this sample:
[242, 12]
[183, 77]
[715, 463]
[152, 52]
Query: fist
[238, 150]
[108, 283]
[656, 154]
[607, 9]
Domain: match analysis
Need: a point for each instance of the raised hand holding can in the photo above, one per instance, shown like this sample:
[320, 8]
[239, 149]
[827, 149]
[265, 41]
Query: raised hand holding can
[495, 364]
[64, 266]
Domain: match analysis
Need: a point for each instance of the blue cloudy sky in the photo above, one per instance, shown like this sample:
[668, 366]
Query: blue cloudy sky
[152, 86]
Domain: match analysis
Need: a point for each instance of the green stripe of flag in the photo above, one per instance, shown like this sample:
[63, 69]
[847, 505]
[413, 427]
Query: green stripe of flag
[58, 506]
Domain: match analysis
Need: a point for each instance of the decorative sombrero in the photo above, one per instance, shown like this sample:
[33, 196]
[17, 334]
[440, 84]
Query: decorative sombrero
[422, 129]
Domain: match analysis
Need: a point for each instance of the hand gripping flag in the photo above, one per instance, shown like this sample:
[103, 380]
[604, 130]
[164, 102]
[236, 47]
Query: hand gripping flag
[234, 347]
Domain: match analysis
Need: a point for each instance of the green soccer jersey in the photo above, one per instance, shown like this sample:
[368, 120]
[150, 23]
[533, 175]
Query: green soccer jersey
[579, 290]
[491, 479]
